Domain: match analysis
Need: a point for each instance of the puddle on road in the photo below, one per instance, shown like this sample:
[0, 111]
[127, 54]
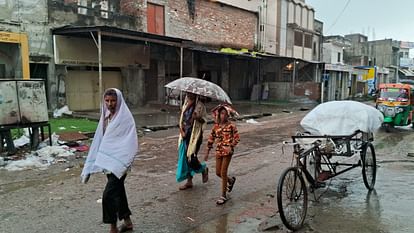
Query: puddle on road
[388, 208]
[226, 223]
[10, 187]
[156, 119]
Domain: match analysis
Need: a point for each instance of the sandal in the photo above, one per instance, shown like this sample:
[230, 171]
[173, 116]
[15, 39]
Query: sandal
[205, 175]
[185, 186]
[125, 228]
[221, 200]
[231, 184]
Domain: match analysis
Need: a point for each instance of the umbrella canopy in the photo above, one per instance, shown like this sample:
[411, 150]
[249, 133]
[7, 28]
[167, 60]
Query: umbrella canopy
[200, 87]
[342, 118]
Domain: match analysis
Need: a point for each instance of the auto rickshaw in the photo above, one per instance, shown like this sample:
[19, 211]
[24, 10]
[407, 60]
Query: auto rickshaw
[395, 101]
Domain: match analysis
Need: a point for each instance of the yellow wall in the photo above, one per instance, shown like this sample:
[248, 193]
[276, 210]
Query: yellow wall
[370, 75]
[21, 39]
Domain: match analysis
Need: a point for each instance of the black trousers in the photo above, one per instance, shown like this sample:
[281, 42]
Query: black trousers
[114, 200]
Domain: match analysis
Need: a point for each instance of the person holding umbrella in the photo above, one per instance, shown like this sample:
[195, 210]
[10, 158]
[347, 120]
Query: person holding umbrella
[224, 133]
[191, 126]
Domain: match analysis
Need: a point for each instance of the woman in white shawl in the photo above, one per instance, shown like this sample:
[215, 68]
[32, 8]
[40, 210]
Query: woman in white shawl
[113, 150]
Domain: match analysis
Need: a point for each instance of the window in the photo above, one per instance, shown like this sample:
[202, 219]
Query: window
[314, 48]
[104, 9]
[339, 57]
[298, 38]
[82, 7]
[308, 41]
[155, 19]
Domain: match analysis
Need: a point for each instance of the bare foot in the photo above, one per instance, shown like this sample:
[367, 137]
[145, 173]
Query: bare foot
[186, 186]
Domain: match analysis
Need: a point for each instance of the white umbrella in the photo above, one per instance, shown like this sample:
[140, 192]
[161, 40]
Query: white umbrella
[342, 118]
[199, 87]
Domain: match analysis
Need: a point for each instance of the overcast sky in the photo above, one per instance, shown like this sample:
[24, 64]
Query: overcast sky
[377, 19]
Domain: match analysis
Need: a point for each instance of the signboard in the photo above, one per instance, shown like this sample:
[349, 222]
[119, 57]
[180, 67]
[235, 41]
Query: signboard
[83, 51]
[370, 75]
[338, 67]
[406, 45]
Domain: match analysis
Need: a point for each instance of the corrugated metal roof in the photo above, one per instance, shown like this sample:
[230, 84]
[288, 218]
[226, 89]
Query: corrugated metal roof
[407, 72]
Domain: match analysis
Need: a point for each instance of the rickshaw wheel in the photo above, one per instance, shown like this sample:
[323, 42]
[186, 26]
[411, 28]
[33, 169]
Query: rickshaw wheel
[292, 198]
[387, 127]
[369, 166]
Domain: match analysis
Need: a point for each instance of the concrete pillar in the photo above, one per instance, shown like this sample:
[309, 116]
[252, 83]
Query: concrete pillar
[161, 81]
[134, 86]
[140, 75]
[214, 76]
[52, 87]
[194, 65]
[331, 86]
[59, 78]
[344, 85]
[225, 75]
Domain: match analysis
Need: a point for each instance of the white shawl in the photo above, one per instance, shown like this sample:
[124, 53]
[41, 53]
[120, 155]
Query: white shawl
[116, 149]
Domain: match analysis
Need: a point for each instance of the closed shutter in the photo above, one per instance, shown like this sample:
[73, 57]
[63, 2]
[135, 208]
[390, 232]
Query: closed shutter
[155, 19]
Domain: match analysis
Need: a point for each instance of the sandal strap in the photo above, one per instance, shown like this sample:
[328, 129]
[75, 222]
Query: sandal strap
[221, 200]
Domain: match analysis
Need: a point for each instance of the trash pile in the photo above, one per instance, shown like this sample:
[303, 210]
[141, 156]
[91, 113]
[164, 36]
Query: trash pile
[60, 152]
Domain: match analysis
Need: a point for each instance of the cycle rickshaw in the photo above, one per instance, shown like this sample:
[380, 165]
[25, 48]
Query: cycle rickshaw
[336, 129]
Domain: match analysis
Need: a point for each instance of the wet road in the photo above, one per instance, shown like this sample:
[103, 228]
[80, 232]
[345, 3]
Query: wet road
[347, 206]
[54, 201]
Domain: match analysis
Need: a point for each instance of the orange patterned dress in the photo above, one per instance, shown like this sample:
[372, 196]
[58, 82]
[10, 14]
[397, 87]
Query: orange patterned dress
[226, 136]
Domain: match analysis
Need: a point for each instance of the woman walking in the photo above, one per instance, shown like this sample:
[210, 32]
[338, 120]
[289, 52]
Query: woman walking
[113, 150]
[224, 133]
[192, 123]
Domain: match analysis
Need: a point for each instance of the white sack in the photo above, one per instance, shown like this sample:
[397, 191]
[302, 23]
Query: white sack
[342, 118]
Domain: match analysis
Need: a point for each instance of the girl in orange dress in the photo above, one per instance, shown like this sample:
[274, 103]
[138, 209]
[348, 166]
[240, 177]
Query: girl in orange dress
[224, 133]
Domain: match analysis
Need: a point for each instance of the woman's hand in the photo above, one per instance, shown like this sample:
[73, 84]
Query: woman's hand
[182, 133]
[205, 158]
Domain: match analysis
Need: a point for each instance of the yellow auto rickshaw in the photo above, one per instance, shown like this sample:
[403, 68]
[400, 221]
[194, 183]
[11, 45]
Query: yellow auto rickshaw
[395, 101]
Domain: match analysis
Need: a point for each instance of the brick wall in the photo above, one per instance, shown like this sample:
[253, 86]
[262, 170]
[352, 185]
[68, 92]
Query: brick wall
[135, 8]
[214, 24]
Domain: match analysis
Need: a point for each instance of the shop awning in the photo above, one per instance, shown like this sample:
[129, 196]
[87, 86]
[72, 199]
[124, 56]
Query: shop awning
[114, 33]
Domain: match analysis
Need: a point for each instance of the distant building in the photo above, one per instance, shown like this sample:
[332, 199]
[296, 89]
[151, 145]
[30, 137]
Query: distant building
[339, 79]
[378, 53]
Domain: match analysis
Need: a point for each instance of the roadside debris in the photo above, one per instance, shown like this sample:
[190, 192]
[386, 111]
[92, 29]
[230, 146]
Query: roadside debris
[189, 218]
[59, 112]
[251, 121]
[23, 140]
[40, 159]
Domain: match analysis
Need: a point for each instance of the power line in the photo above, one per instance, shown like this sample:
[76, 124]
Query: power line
[339, 16]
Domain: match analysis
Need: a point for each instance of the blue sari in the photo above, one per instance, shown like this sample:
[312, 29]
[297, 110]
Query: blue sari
[183, 170]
